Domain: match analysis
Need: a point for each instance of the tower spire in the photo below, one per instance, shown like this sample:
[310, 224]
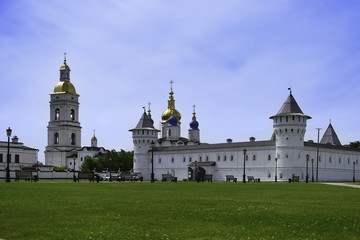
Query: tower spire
[149, 111]
[194, 116]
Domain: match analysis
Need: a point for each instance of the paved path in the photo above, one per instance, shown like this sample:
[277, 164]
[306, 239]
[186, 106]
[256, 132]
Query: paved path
[344, 184]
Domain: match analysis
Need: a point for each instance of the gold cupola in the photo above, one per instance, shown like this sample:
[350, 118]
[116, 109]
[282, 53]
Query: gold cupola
[64, 85]
[171, 111]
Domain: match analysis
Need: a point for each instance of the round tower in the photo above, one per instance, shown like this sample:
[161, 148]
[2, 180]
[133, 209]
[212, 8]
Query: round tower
[289, 130]
[143, 135]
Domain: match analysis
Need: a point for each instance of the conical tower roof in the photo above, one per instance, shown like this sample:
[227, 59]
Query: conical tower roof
[290, 107]
[330, 137]
[145, 122]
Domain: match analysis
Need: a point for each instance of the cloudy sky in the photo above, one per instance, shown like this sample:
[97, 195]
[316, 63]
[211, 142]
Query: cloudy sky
[234, 60]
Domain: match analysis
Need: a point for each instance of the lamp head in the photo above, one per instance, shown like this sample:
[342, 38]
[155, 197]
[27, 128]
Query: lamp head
[74, 157]
[276, 159]
[8, 132]
[244, 151]
[312, 160]
[307, 156]
[152, 144]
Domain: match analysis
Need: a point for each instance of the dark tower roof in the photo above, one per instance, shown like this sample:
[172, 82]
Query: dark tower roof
[330, 137]
[290, 107]
[145, 122]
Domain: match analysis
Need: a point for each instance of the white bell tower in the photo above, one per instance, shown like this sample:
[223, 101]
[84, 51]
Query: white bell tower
[64, 130]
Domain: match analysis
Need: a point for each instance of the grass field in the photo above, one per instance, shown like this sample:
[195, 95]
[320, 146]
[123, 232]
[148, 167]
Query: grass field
[184, 210]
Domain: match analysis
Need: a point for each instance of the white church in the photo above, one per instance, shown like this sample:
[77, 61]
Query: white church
[285, 156]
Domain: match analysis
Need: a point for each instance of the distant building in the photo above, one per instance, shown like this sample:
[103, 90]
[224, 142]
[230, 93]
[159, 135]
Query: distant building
[64, 130]
[283, 156]
[21, 156]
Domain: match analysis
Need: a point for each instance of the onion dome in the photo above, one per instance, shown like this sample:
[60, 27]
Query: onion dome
[194, 125]
[94, 138]
[172, 121]
[171, 111]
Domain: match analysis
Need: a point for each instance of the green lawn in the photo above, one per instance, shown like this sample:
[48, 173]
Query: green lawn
[183, 210]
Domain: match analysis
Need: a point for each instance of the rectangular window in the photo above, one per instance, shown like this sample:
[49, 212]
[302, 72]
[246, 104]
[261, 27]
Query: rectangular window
[231, 158]
[184, 159]
[224, 158]
[200, 159]
[172, 159]
[190, 159]
[207, 158]
[159, 160]
[1, 158]
[17, 158]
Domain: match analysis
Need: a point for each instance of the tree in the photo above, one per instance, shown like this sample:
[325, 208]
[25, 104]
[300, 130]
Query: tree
[112, 161]
[355, 144]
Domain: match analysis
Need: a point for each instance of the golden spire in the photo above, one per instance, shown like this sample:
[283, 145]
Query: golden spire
[171, 111]
[149, 111]
[94, 138]
[194, 117]
[65, 66]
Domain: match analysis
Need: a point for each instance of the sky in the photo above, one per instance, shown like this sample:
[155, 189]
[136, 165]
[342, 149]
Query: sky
[234, 60]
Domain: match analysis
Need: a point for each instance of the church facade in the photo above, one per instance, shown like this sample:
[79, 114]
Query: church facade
[64, 129]
[284, 156]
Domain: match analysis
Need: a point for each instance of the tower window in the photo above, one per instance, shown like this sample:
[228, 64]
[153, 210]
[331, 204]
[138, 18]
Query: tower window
[225, 158]
[184, 159]
[73, 139]
[190, 160]
[293, 118]
[169, 132]
[254, 157]
[159, 160]
[200, 158]
[72, 114]
[57, 114]
[339, 160]
[287, 118]
[218, 158]
[329, 159]
[207, 158]
[269, 157]
[299, 119]
[1, 158]
[280, 119]
[56, 138]
[231, 158]
[172, 159]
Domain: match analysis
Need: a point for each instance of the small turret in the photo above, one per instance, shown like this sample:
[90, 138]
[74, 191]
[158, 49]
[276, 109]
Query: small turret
[194, 132]
[94, 141]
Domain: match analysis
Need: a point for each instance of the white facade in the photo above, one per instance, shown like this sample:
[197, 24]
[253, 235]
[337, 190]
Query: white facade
[20, 155]
[180, 156]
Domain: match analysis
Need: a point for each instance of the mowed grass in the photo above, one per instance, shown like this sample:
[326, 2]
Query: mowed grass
[183, 210]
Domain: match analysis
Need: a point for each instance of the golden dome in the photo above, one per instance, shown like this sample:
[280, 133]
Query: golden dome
[167, 113]
[65, 66]
[65, 87]
[94, 138]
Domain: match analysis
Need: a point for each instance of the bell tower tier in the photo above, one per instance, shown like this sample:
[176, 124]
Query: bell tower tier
[64, 130]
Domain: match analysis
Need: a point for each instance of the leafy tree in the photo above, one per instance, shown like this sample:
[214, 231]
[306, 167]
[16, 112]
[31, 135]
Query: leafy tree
[355, 144]
[112, 161]
[63, 168]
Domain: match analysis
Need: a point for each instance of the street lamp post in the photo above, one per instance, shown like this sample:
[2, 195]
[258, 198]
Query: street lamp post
[312, 170]
[317, 155]
[244, 181]
[195, 172]
[152, 161]
[354, 172]
[8, 133]
[74, 177]
[276, 159]
[110, 170]
[307, 172]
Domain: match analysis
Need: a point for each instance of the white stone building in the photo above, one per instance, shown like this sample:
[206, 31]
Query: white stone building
[20, 155]
[64, 130]
[283, 156]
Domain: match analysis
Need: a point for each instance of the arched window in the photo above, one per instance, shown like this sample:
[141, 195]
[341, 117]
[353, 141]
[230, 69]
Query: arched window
[169, 132]
[73, 139]
[56, 138]
[72, 114]
[57, 114]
